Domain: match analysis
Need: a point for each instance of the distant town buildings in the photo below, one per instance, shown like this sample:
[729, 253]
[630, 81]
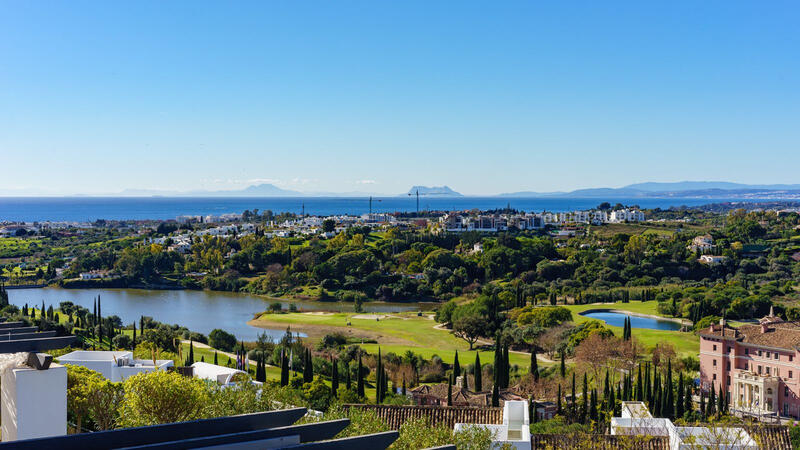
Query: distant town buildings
[462, 222]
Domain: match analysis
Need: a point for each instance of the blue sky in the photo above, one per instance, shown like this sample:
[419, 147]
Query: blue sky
[485, 97]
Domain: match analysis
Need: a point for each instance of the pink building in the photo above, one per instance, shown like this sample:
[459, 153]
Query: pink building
[757, 365]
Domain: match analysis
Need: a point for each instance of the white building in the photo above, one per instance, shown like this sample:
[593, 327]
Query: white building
[114, 365]
[515, 430]
[703, 243]
[636, 420]
[626, 215]
[712, 260]
[222, 375]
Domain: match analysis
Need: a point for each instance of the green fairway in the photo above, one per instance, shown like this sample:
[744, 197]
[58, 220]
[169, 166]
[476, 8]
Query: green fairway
[396, 333]
[685, 343]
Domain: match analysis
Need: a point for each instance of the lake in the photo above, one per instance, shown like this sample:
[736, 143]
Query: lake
[199, 311]
[618, 320]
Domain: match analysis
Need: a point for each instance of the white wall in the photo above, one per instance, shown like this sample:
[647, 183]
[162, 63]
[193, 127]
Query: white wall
[34, 403]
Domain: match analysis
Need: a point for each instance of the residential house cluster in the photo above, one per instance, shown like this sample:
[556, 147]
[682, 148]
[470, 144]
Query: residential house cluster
[463, 221]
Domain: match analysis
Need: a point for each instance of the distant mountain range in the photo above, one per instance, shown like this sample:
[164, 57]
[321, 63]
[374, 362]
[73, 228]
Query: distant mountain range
[257, 190]
[682, 189]
[438, 191]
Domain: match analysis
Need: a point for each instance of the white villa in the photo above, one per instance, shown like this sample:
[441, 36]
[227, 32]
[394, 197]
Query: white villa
[114, 365]
[636, 420]
[515, 430]
[222, 375]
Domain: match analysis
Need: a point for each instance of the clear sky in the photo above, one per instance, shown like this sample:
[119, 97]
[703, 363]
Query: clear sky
[486, 97]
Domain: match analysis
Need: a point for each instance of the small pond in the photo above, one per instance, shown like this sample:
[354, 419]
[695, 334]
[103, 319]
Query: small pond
[618, 320]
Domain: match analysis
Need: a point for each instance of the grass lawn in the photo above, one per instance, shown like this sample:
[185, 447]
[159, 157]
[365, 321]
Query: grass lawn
[400, 332]
[685, 343]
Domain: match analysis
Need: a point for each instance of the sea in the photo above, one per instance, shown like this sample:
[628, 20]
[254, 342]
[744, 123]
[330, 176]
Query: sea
[89, 209]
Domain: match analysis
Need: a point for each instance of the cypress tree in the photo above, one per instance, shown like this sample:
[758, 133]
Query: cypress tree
[360, 379]
[679, 402]
[702, 403]
[456, 366]
[563, 365]
[495, 396]
[585, 400]
[605, 389]
[687, 399]
[384, 385]
[378, 380]
[215, 358]
[334, 376]
[612, 402]
[720, 402]
[190, 359]
[558, 401]
[347, 381]
[308, 368]
[141, 324]
[669, 404]
[639, 396]
[534, 365]
[573, 403]
[404, 385]
[465, 380]
[593, 406]
[498, 360]
[99, 319]
[450, 391]
[712, 399]
[506, 367]
[284, 367]
[478, 373]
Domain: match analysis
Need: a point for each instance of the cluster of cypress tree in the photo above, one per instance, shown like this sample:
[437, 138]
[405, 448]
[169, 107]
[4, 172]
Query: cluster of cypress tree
[3, 295]
[308, 367]
[381, 380]
[664, 397]
[626, 329]
[261, 367]
[190, 358]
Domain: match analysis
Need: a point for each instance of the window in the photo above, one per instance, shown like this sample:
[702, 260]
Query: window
[728, 366]
[767, 354]
[747, 351]
[715, 347]
[715, 363]
[759, 369]
[790, 374]
[768, 370]
[776, 356]
[714, 377]
[790, 358]
[759, 353]
[786, 391]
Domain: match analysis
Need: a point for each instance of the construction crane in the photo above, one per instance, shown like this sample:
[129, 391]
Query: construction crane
[416, 192]
[370, 203]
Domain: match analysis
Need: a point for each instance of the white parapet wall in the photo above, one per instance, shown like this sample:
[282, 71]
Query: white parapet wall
[33, 403]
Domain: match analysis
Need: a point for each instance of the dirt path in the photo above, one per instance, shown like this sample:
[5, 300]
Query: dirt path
[201, 345]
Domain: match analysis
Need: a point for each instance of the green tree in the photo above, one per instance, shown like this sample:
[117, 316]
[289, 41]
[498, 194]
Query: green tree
[81, 383]
[162, 397]
[221, 340]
